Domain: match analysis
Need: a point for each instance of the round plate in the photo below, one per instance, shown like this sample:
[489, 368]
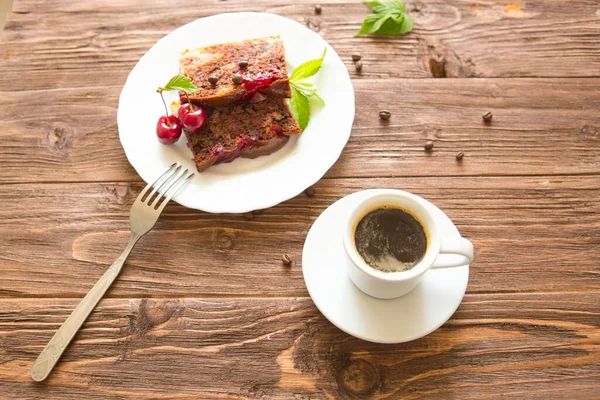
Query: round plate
[243, 185]
[406, 318]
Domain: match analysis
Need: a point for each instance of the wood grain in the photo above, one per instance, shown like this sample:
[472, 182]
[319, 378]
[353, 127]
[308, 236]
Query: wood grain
[530, 234]
[510, 345]
[54, 45]
[540, 127]
[205, 309]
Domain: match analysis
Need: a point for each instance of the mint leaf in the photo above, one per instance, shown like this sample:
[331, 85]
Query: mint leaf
[308, 69]
[390, 18]
[300, 107]
[303, 92]
[306, 88]
[391, 7]
[318, 99]
[371, 24]
[398, 26]
[180, 82]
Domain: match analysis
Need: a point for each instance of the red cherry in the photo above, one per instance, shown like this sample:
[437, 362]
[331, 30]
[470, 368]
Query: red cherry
[168, 129]
[192, 117]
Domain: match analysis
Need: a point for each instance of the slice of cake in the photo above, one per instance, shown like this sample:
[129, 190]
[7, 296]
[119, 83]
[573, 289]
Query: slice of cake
[234, 72]
[249, 130]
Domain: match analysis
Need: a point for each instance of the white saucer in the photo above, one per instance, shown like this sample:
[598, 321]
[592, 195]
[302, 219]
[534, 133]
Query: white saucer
[407, 318]
[245, 184]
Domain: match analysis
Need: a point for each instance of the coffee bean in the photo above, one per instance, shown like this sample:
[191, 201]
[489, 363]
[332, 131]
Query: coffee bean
[249, 216]
[318, 9]
[487, 117]
[213, 80]
[358, 65]
[385, 115]
[428, 145]
[286, 259]
[459, 155]
[237, 79]
[243, 63]
[355, 57]
[310, 191]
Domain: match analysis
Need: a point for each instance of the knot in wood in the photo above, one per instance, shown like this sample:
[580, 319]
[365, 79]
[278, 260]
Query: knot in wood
[122, 193]
[437, 66]
[589, 132]
[152, 313]
[313, 25]
[417, 6]
[60, 137]
[443, 62]
[224, 240]
[360, 378]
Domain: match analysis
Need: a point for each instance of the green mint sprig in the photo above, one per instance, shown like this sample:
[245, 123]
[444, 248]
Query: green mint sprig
[303, 92]
[390, 18]
[180, 82]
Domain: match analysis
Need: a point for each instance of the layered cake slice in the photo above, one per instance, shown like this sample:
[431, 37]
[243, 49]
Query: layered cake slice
[245, 130]
[233, 72]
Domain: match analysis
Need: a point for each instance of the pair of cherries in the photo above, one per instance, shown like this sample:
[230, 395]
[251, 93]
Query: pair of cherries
[190, 117]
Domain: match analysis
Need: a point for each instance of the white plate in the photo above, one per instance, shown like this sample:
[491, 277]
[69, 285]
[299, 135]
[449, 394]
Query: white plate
[243, 185]
[409, 317]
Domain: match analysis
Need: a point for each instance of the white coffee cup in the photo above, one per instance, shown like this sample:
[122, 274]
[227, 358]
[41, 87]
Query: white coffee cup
[389, 285]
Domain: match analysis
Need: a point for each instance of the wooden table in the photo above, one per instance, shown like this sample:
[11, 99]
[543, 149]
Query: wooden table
[204, 307]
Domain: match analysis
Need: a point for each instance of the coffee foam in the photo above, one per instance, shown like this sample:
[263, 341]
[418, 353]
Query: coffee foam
[386, 262]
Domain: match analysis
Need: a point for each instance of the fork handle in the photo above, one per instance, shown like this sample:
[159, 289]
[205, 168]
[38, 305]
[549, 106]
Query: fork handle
[56, 346]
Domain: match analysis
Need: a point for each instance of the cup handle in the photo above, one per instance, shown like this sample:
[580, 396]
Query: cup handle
[456, 246]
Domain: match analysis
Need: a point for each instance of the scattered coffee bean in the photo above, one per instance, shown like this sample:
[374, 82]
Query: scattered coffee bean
[286, 259]
[318, 9]
[213, 80]
[487, 117]
[310, 191]
[237, 79]
[428, 145]
[459, 155]
[249, 216]
[243, 63]
[355, 57]
[385, 115]
[358, 65]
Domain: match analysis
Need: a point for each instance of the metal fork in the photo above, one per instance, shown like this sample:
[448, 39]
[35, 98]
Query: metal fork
[144, 213]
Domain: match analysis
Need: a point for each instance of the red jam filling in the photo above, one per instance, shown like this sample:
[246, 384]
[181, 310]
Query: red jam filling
[216, 150]
[242, 142]
[258, 82]
[276, 129]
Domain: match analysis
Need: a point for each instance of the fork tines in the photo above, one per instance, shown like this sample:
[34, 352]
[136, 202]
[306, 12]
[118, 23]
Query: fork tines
[167, 186]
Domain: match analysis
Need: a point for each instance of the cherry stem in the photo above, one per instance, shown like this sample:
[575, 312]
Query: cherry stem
[189, 102]
[166, 109]
[165, 104]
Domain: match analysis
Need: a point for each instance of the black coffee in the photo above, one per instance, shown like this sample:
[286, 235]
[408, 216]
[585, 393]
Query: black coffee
[390, 239]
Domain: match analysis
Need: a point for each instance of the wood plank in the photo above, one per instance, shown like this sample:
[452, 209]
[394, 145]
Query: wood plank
[540, 126]
[55, 45]
[539, 346]
[530, 234]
